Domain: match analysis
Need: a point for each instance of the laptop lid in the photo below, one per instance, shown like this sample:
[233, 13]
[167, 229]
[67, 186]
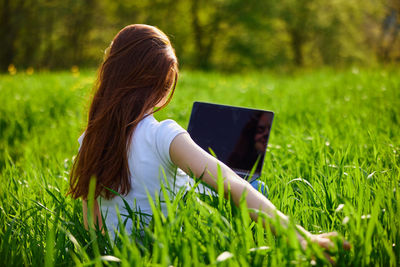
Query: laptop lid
[238, 136]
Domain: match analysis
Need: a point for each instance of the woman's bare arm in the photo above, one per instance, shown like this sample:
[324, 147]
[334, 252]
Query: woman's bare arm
[188, 156]
[96, 213]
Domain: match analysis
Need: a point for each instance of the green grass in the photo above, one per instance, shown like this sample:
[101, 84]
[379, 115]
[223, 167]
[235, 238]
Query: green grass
[332, 165]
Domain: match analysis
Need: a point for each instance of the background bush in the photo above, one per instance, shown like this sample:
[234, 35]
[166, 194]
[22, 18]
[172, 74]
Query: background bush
[229, 35]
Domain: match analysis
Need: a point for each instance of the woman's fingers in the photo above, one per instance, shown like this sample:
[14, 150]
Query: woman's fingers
[325, 241]
[346, 245]
[330, 234]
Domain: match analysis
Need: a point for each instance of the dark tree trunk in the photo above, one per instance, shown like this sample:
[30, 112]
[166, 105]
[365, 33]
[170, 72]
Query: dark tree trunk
[297, 47]
[7, 35]
[204, 35]
[198, 35]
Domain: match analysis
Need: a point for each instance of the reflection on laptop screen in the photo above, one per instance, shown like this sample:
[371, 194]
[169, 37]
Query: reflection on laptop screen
[238, 136]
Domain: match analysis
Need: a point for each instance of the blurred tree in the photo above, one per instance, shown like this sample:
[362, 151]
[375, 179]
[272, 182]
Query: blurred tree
[299, 18]
[10, 12]
[250, 34]
[390, 28]
[206, 19]
[79, 22]
[346, 30]
[223, 34]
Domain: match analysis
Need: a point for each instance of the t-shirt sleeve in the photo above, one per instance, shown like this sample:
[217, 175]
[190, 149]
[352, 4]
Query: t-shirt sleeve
[166, 132]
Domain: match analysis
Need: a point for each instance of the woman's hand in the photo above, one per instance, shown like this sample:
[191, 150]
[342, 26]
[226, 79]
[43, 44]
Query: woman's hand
[325, 241]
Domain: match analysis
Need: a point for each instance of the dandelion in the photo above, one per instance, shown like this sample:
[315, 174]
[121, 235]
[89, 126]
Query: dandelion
[66, 163]
[75, 70]
[259, 249]
[339, 208]
[12, 69]
[224, 256]
[29, 71]
[110, 258]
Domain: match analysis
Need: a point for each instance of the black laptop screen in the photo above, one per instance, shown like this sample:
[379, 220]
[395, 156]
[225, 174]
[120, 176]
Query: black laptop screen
[238, 136]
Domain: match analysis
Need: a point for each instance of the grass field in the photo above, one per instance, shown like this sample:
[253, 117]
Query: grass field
[332, 165]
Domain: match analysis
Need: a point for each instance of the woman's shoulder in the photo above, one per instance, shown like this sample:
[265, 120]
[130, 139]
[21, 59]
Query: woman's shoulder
[152, 138]
[170, 125]
[159, 133]
[168, 129]
[160, 127]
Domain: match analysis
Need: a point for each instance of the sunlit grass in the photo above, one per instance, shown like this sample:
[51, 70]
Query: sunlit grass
[332, 165]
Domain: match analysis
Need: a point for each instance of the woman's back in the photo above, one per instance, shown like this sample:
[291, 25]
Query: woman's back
[149, 165]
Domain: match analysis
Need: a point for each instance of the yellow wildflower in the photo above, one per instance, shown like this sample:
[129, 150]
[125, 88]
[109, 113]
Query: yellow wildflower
[12, 69]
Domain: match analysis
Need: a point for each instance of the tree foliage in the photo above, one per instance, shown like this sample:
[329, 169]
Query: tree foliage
[222, 34]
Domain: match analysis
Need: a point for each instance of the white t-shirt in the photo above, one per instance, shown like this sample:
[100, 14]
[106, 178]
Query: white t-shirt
[149, 165]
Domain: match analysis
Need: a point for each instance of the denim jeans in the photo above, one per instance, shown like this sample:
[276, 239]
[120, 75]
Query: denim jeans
[260, 186]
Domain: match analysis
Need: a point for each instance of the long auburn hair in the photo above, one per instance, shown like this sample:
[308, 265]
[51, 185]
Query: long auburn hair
[138, 72]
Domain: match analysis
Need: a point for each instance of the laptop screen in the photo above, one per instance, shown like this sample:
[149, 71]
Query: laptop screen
[238, 136]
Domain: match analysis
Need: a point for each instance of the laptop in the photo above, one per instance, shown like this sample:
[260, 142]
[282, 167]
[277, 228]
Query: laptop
[237, 136]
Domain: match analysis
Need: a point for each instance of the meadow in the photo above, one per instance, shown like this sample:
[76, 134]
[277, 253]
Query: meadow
[333, 164]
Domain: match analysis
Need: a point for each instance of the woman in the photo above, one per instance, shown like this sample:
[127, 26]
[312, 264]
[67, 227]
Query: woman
[127, 150]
